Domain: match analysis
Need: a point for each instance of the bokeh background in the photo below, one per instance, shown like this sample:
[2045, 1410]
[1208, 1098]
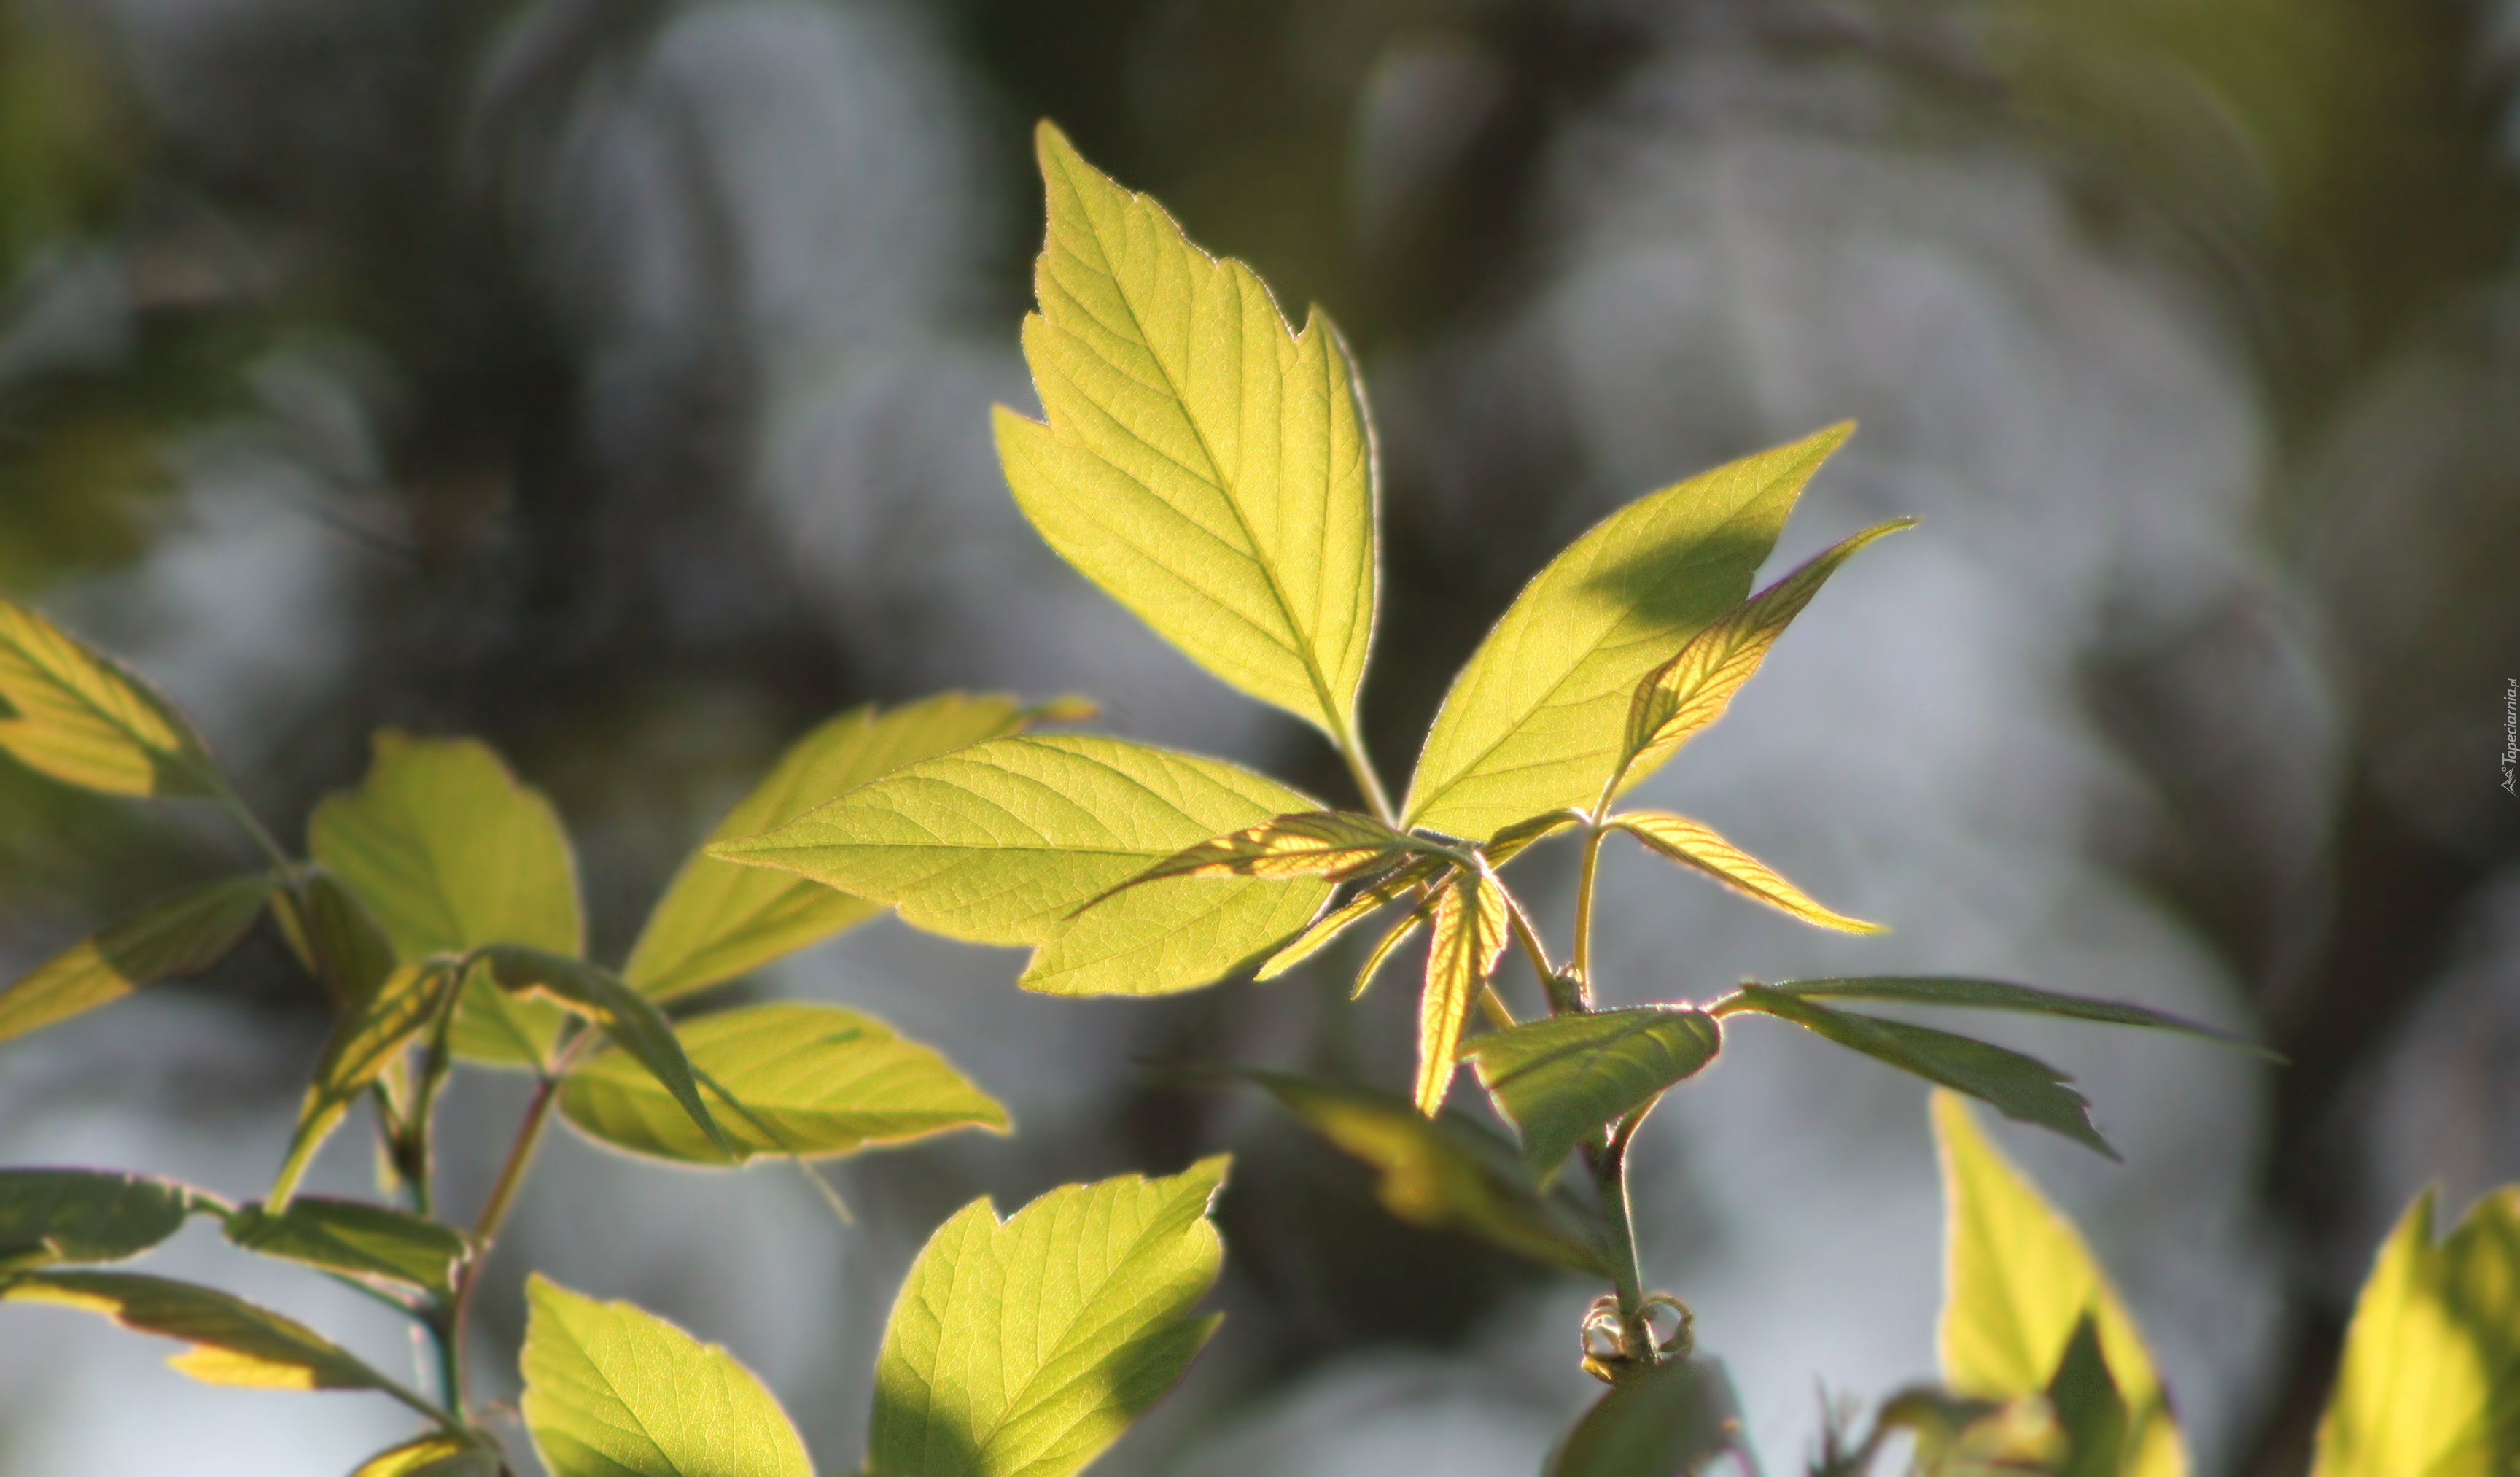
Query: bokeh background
[609, 377]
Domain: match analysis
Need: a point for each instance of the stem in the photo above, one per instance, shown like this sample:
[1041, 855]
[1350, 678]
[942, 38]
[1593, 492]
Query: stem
[1499, 1014]
[1627, 1270]
[486, 1233]
[1360, 767]
[1535, 950]
[263, 841]
[1593, 831]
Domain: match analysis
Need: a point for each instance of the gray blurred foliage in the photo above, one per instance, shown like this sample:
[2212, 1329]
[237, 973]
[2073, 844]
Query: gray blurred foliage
[608, 378]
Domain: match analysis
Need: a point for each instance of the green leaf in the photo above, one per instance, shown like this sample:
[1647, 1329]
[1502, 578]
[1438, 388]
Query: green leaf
[1029, 1345]
[2023, 1087]
[50, 1216]
[1994, 995]
[1560, 1080]
[1673, 1417]
[812, 1080]
[369, 1242]
[1535, 720]
[1371, 898]
[181, 936]
[1691, 844]
[345, 946]
[1002, 843]
[2430, 1380]
[718, 920]
[613, 1391]
[2020, 1280]
[2088, 1405]
[632, 1020]
[1339, 844]
[84, 718]
[369, 1037]
[1210, 470]
[1686, 694]
[1471, 927]
[233, 1342]
[1444, 1173]
[434, 1456]
[1522, 835]
[450, 854]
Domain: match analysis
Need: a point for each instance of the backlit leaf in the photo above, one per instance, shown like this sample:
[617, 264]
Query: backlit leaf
[1029, 1346]
[181, 936]
[2019, 1281]
[1002, 843]
[83, 719]
[613, 1391]
[1339, 844]
[2430, 1380]
[346, 947]
[369, 1242]
[1471, 928]
[812, 1080]
[1691, 844]
[434, 1456]
[1401, 933]
[233, 1342]
[1536, 720]
[450, 854]
[718, 920]
[1522, 835]
[50, 1216]
[1210, 470]
[632, 1020]
[1996, 994]
[1687, 693]
[1371, 898]
[1673, 1417]
[1560, 1080]
[369, 1037]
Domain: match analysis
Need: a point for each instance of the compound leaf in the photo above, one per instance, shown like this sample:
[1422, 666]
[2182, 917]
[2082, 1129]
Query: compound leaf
[1470, 925]
[1560, 1080]
[1673, 1417]
[369, 1037]
[614, 1391]
[811, 1080]
[1210, 470]
[369, 1242]
[1029, 1345]
[1691, 844]
[233, 1342]
[181, 936]
[50, 1216]
[1535, 721]
[83, 717]
[637, 1027]
[1996, 994]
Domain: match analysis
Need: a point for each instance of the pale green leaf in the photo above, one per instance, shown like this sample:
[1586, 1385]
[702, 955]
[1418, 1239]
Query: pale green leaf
[434, 1456]
[1210, 470]
[613, 1391]
[1027, 1346]
[1692, 843]
[1370, 898]
[1673, 1417]
[1001, 844]
[367, 1038]
[233, 1342]
[83, 717]
[369, 1242]
[450, 852]
[1535, 721]
[181, 936]
[1996, 994]
[2430, 1380]
[718, 920]
[811, 1080]
[1560, 1080]
[2017, 1281]
[50, 1216]
[1470, 936]
[637, 1027]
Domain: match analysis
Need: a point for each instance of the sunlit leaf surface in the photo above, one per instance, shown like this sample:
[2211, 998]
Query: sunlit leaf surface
[181, 936]
[233, 1342]
[1469, 934]
[434, 1456]
[85, 719]
[1692, 843]
[50, 1216]
[1558, 1080]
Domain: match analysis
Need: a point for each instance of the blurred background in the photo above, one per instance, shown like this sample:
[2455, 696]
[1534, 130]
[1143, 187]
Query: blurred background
[609, 379]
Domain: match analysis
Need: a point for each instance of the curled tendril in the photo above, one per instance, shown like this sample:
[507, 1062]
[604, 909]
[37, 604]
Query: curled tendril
[1605, 1346]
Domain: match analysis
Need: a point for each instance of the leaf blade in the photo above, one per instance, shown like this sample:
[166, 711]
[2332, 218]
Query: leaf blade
[367, 1038]
[1997, 995]
[1339, 844]
[233, 1342]
[1673, 1417]
[1469, 937]
[75, 715]
[369, 1242]
[1693, 844]
[183, 935]
[53, 1215]
[1372, 898]
[1558, 1080]
[630, 1019]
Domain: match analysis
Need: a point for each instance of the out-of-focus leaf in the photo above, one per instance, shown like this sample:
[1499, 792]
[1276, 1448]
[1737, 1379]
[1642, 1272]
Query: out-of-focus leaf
[1994, 995]
[1672, 1418]
[368, 1038]
[346, 947]
[1535, 721]
[1444, 1173]
[1210, 470]
[718, 920]
[50, 1216]
[2088, 1408]
[366, 1241]
[450, 852]
[1689, 692]
[613, 1391]
[2023, 1087]
[1560, 1080]
[1002, 842]
[632, 1020]
[812, 1080]
[1339, 844]
[80, 716]
[2430, 1380]
[1029, 1346]
[2020, 1282]
[181, 936]
[1470, 926]
[1368, 900]
[233, 1342]
[434, 1456]
[1691, 844]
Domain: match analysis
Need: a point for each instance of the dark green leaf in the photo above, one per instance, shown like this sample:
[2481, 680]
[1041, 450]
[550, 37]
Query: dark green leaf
[1672, 1418]
[49, 1216]
[1560, 1080]
[369, 1037]
[2094, 1415]
[366, 1241]
[349, 951]
[233, 1342]
[1994, 995]
[181, 936]
[629, 1018]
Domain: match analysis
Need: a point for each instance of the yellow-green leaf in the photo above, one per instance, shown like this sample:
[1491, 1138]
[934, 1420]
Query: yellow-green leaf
[181, 936]
[1371, 898]
[811, 1080]
[1000, 842]
[1558, 1080]
[2430, 1380]
[718, 920]
[51, 1215]
[1536, 720]
[633, 1022]
[345, 946]
[1029, 1345]
[369, 1242]
[1339, 844]
[1210, 468]
[368, 1038]
[614, 1391]
[434, 1456]
[1687, 693]
[233, 1342]
[1676, 1417]
[1470, 924]
[83, 717]
[450, 852]
[1691, 844]
[2017, 1281]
